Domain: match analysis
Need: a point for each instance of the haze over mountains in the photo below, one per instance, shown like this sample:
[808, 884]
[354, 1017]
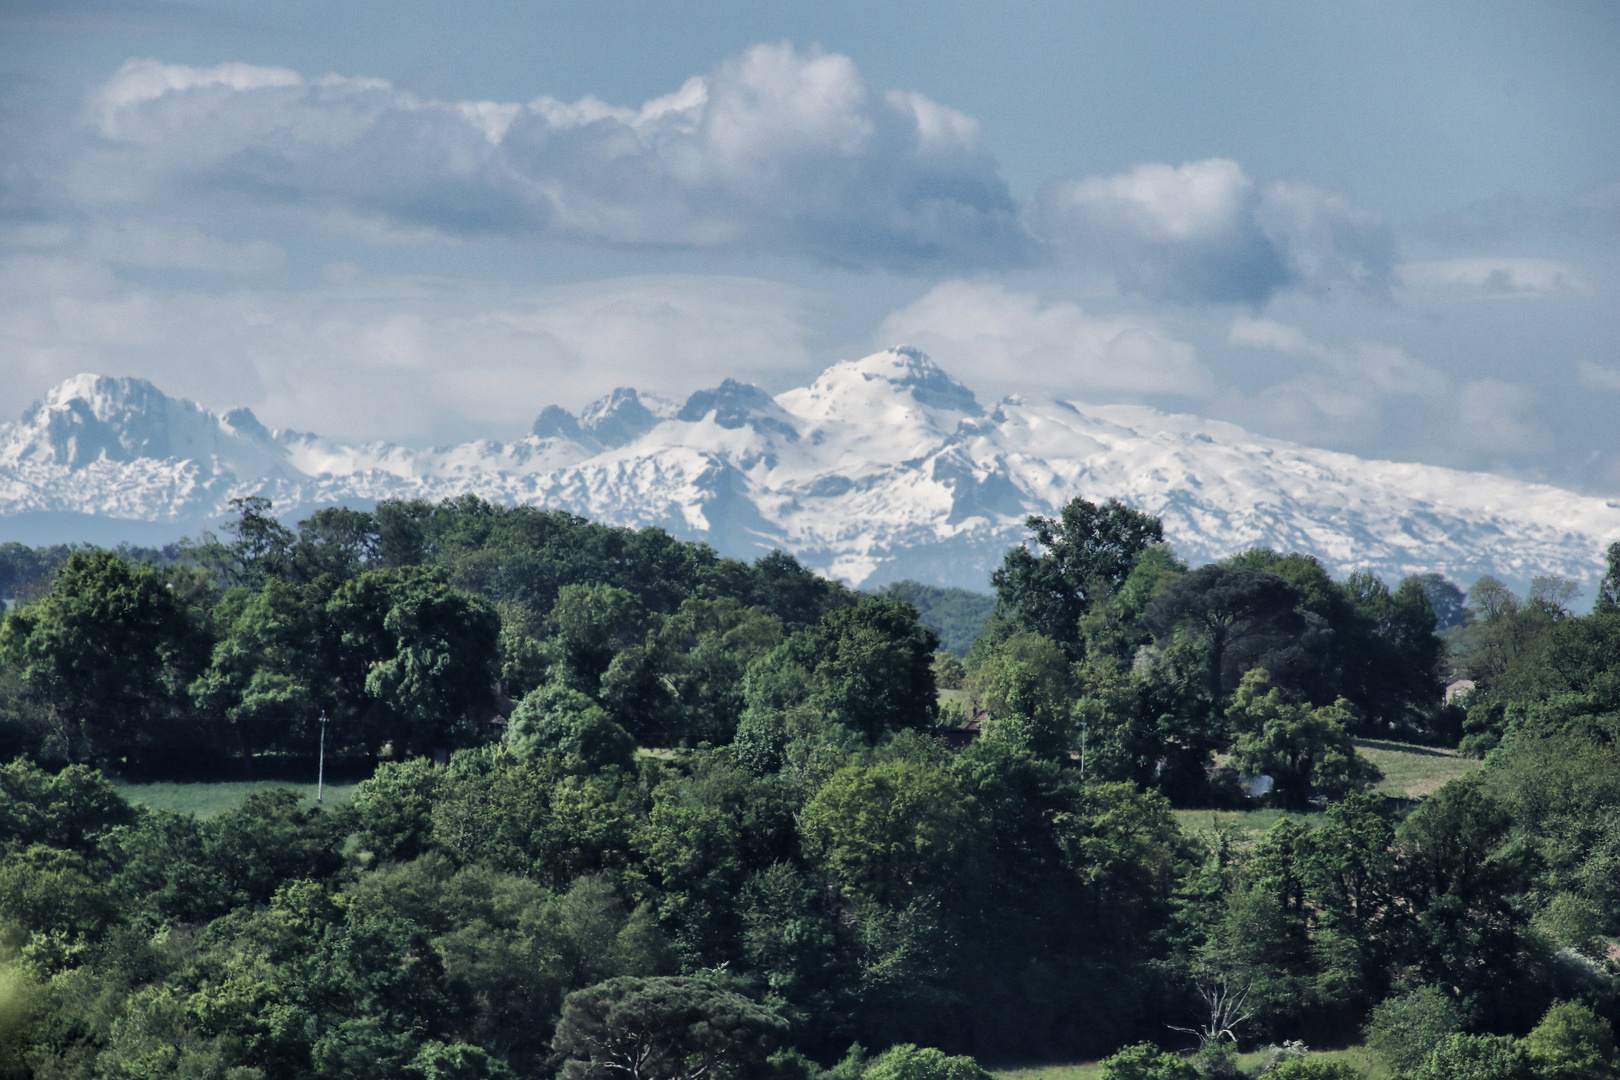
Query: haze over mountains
[882, 468]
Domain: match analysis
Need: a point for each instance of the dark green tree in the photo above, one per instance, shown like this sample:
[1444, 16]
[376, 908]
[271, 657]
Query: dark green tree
[664, 1028]
[416, 659]
[110, 653]
[1608, 596]
[873, 667]
[1229, 619]
[1086, 552]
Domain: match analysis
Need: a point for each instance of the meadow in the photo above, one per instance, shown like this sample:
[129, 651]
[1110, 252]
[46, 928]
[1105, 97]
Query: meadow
[207, 799]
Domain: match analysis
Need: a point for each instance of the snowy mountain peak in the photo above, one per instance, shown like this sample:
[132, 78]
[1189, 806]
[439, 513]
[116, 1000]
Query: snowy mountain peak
[882, 468]
[615, 420]
[92, 418]
[618, 418]
[900, 384]
[556, 422]
[733, 404]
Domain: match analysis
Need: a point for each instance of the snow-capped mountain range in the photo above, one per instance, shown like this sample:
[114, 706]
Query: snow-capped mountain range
[882, 468]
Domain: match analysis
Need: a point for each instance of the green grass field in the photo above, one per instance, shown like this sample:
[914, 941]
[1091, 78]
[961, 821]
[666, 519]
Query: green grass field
[1410, 772]
[1413, 772]
[206, 800]
[1355, 1057]
[1244, 826]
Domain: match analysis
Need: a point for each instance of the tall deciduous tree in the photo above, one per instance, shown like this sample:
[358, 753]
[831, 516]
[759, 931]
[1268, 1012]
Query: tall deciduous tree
[873, 666]
[1305, 750]
[1087, 551]
[110, 650]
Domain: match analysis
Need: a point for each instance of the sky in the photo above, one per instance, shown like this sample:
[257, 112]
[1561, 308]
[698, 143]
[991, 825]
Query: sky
[1389, 229]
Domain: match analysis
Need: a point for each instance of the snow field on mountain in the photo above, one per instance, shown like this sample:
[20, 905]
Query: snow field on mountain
[881, 468]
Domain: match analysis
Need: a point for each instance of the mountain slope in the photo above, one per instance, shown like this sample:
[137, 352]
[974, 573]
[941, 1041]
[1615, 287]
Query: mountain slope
[882, 468]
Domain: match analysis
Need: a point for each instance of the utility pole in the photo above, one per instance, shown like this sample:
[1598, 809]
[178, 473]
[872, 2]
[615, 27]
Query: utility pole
[1082, 747]
[320, 775]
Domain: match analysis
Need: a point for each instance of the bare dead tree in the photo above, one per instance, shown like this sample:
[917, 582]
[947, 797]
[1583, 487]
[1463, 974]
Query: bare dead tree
[1227, 1008]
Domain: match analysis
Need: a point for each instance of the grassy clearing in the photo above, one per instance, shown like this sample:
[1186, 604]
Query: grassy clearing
[1245, 826]
[1088, 1071]
[1413, 772]
[206, 800]
[1355, 1057]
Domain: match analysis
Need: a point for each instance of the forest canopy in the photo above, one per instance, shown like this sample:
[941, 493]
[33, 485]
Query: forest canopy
[630, 809]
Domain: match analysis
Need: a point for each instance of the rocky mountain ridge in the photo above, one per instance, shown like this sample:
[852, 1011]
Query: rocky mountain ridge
[882, 468]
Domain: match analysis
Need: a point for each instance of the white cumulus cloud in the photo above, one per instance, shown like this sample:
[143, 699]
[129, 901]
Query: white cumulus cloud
[995, 337]
[775, 149]
[1205, 231]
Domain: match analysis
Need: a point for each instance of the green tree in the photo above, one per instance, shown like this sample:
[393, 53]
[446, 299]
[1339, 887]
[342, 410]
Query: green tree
[261, 546]
[1462, 881]
[265, 680]
[1220, 621]
[873, 667]
[888, 832]
[456, 1061]
[335, 542]
[1026, 684]
[1608, 596]
[1572, 1043]
[1404, 1030]
[1306, 751]
[557, 720]
[416, 658]
[1086, 552]
[74, 810]
[19, 1010]
[706, 834]
[662, 1028]
[1313, 1068]
[590, 626]
[110, 652]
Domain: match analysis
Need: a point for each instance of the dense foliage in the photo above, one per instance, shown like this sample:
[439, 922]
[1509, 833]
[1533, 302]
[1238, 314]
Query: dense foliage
[633, 810]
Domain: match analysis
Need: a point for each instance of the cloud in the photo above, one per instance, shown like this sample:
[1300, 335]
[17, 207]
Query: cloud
[1368, 365]
[995, 337]
[1204, 231]
[156, 246]
[397, 358]
[1354, 396]
[1496, 419]
[776, 150]
[1598, 376]
[1493, 277]
[1372, 398]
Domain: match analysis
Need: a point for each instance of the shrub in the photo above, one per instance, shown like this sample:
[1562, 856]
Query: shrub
[1313, 1069]
[1476, 1057]
[1403, 1030]
[908, 1062]
[1146, 1062]
[1572, 1043]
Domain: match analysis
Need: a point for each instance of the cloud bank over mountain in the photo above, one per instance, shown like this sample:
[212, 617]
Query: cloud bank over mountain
[414, 260]
[776, 149]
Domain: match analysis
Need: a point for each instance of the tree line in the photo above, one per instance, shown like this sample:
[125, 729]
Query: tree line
[634, 809]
